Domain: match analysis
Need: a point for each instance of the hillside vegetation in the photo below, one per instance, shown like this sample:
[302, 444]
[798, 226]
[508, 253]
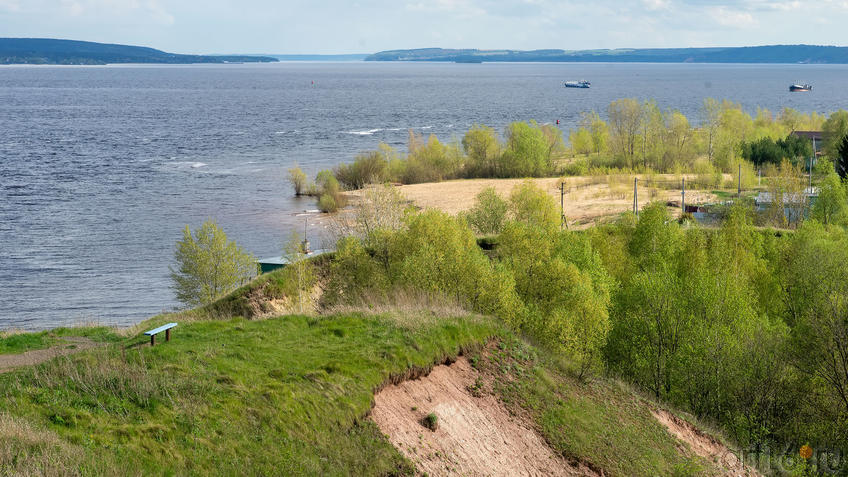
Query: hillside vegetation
[49, 51]
[751, 54]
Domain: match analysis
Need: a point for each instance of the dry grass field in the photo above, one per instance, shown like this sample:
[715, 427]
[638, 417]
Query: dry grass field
[588, 200]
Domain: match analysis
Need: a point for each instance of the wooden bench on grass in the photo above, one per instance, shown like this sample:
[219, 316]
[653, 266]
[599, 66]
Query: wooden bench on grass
[166, 328]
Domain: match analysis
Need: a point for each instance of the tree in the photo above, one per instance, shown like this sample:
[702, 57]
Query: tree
[481, 146]
[817, 287]
[834, 130]
[489, 212]
[841, 163]
[297, 178]
[711, 120]
[298, 268]
[528, 151]
[625, 120]
[533, 206]
[209, 266]
[831, 206]
[581, 141]
[598, 129]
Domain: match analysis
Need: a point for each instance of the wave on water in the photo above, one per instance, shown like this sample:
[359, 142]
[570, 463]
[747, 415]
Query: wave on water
[363, 133]
[187, 164]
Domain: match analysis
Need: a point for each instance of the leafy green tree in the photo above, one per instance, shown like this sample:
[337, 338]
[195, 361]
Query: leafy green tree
[368, 168]
[562, 281]
[489, 212]
[528, 151]
[581, 141]
[297, 178]
[834, 130]
[831, 206]
[841, 162]
[298, 268]
[530, 204]
[483, 149]
[625, 123]
[656, 238]
[817, 284]
[209, 266]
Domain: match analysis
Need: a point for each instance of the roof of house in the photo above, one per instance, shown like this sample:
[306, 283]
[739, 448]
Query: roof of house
[281, 260]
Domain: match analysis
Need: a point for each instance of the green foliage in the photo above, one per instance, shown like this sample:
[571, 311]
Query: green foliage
[529, 150]
[769, 151]
[368, 168]
[841, 158]
[817, 284]
[330, 197]
[209, 265]
[831, 206]
[530, 204]
[297, 178]
[489, 212]
[483, 151]
[564, 285]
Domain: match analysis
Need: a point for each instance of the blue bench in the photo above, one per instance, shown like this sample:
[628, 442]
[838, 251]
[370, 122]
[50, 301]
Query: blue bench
[155, 331]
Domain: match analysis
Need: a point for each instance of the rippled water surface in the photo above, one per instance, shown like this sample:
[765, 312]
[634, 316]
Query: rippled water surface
[102, 167]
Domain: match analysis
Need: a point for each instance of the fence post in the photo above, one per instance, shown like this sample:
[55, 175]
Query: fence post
[683, 198]
[636, 196]
[739, 182]
[561, 205]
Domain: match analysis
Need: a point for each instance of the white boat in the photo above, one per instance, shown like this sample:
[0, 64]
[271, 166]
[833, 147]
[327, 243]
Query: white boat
[578, 84]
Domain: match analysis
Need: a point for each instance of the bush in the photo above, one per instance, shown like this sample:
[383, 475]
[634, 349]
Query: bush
[369, 168]
[297, 178]
[489, 212]
[327, 203]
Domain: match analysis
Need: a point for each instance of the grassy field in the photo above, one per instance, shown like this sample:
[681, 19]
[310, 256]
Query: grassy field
[280, 396]
[13, 343]
[289, 396]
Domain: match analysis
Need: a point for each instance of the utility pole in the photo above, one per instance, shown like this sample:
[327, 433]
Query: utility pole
[636, 196]
[561, 205]
[739, 179]
[683, 198]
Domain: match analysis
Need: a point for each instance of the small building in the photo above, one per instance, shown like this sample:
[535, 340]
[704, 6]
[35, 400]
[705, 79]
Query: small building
[275, 263]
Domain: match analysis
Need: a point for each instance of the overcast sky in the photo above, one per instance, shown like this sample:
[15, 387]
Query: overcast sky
[366, 26]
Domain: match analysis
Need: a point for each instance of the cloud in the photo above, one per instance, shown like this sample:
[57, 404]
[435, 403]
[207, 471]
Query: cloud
[10, 5]
[732, 18]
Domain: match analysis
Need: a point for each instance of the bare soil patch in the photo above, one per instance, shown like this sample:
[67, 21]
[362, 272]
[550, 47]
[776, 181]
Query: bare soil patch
[475, 436]
[70, 345]
[704, 445]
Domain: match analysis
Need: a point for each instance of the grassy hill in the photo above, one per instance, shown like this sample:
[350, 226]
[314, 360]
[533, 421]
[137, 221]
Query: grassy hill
[291, 395]
[69, 52]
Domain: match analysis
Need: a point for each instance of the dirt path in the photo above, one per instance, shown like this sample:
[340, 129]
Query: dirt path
[476, 436]
[704, 445]
[70, 345]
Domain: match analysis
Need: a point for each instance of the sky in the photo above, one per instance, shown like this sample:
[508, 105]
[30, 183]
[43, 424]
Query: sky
[367, 26]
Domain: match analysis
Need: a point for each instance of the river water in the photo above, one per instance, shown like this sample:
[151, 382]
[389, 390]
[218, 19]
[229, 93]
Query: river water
[102, 167]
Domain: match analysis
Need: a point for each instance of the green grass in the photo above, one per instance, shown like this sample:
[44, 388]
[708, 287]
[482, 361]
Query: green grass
[23, 342]
[282, 396]
[598, 422]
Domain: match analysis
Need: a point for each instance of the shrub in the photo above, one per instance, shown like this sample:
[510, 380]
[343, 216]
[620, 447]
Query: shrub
[489, 212]
[297, 178]
[430, 421]
[368, 168]
[327, 203]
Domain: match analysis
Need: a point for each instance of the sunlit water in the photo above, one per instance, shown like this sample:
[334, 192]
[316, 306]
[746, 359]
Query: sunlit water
[102, 167]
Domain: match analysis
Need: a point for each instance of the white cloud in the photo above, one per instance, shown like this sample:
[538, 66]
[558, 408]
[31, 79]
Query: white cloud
[732, 18]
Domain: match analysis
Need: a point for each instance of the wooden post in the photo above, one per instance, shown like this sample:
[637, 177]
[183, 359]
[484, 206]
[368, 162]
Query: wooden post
[168, 334]
[152, 340]
[636, 196]
[561, 205]
[739, 178]
[683, 198]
